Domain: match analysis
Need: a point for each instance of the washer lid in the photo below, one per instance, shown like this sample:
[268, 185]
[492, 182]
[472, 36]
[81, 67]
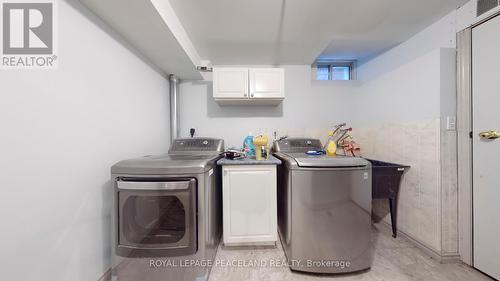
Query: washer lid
[304, 160]
[164, 164]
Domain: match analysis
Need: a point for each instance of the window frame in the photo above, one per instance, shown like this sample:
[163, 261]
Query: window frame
[337, 63]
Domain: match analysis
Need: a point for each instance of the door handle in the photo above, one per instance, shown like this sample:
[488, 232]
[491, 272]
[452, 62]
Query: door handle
[489, 135]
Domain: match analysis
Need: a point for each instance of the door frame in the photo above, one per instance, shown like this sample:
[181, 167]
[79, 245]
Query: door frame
[464, 141]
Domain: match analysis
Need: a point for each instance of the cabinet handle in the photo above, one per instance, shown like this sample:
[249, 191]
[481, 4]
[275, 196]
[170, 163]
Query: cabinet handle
[252, 95]
[245, 94]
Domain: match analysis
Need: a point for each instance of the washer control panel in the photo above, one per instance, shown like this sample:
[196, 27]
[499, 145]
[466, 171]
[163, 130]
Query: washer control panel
[197, 144]
[293, 145]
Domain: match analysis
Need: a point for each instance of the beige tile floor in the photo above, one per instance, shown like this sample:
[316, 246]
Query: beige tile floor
[395, 260]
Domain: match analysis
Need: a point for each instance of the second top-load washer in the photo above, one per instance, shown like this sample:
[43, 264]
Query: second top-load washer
[324, 209]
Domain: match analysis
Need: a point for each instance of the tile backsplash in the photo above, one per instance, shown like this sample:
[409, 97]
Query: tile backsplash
[427, 201]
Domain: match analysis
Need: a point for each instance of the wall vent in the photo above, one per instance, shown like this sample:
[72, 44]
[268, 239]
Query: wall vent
[484, 6]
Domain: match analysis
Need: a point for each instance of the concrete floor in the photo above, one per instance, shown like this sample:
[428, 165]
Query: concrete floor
[395, 260]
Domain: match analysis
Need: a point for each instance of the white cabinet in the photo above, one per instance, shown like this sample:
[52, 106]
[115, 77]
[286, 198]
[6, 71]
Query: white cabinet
[267, 83]
[249, 205]
[230, 83]
[248, 86]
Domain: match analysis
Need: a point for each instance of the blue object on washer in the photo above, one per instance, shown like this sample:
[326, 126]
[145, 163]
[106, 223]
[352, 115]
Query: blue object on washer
[314, 152]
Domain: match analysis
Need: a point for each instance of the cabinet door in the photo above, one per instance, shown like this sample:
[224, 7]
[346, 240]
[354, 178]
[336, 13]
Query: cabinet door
[249, 195]
[230, 83]
[267, 83]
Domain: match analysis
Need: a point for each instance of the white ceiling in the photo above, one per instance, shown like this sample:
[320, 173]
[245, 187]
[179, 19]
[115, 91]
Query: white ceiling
[132, 18]
[298, 31]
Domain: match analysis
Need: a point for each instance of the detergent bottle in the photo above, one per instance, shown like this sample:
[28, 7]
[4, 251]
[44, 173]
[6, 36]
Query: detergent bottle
[331, 145]
[248, 146]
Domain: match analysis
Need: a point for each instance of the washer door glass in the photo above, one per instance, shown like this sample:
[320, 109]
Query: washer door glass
[153, 219]
[156, 218]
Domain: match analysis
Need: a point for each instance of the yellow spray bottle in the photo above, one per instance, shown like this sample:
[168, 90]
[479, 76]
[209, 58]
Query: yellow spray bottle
[331, 145]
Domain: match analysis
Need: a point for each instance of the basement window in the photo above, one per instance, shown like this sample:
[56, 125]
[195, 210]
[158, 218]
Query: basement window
[335, 70]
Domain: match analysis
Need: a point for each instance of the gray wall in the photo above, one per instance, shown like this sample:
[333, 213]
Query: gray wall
[61, 130]
[404, 83]
[404, 97]
[308, 105]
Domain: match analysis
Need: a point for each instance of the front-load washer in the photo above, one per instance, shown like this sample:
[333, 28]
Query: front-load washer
[166, 222]
[324, 209]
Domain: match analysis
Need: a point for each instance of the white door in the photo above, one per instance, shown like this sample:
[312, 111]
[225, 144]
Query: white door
[486, 152]
[249, 204]
[230, 83]
[267, 83]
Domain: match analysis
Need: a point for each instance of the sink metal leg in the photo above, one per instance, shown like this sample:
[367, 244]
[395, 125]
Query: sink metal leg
[393, 205]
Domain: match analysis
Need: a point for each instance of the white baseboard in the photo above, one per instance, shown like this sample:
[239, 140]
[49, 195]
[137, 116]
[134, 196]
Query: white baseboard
[106, 276]
[442, 258]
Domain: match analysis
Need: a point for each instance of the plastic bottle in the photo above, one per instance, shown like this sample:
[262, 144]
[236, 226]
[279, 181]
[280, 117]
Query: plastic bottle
[248, 146]
[331, 145]
[260, 143]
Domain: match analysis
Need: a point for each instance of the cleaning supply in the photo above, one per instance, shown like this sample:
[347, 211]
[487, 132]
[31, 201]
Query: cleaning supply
[331, 145]
[315, 152]
[261, 150]
[248, 146]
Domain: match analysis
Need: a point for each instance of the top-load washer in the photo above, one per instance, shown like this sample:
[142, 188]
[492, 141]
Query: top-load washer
[167, 213]
[324, 209]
